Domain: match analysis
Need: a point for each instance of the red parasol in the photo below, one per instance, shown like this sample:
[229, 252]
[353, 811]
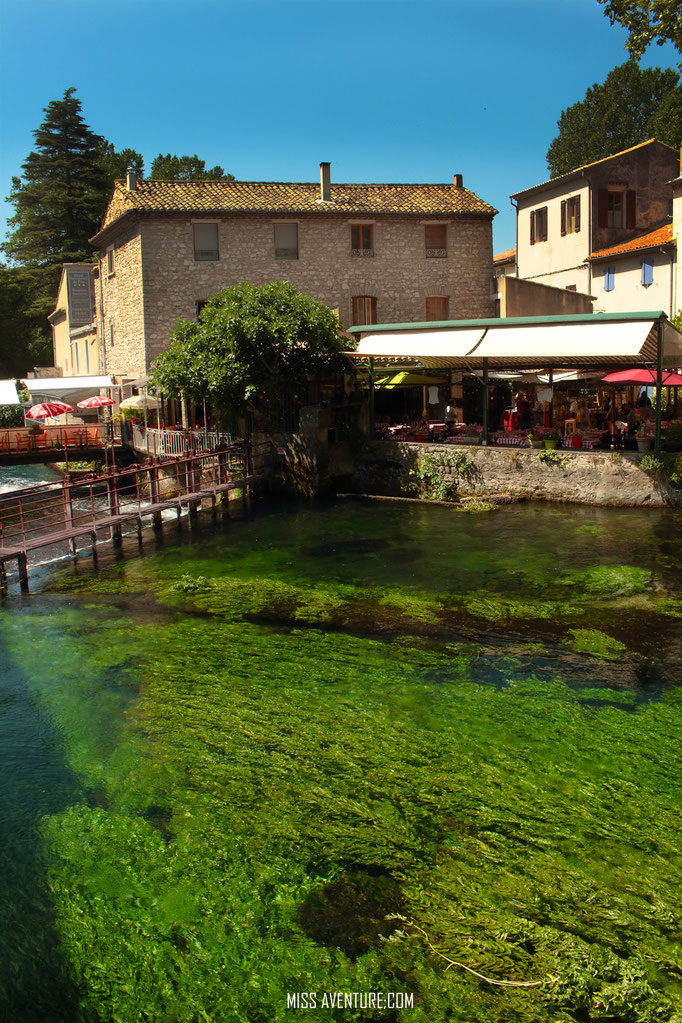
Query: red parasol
[644, 376]
[97, 401]
[47, 409]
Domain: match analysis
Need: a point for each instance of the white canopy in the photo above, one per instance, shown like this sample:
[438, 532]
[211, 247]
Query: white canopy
[614, 339]
[66, 388]
[8, 393]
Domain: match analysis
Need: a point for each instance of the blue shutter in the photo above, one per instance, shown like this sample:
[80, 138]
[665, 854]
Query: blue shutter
[609, 278]
[647, 271]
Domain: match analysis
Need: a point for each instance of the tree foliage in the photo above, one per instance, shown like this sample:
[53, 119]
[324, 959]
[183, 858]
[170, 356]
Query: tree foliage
[186, 168]
[58, 202]
[632, 105]
[24, 342]
[251, 344]
[647, 21]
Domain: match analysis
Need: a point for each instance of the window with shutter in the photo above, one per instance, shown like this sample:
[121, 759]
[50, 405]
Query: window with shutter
[538, 225]
[364, 310]
[570, 215]
[362, 240]
[647, 271]
[436, 241]
[437, 308]
[205, 241]
[286, 241]
[609, 278]
[614, 207]
[630, 209]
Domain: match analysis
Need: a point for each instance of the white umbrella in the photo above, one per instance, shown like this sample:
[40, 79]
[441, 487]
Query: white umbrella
[141, 402]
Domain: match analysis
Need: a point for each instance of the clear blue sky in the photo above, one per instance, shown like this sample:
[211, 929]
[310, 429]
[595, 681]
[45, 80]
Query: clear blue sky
[385, 90]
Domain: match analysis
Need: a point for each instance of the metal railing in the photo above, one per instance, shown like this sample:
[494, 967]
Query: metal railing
[33, 517]
[23, 440]
[173, 443]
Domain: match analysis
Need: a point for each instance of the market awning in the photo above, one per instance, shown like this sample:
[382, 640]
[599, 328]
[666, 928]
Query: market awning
[606, 339]
[8, 393]
[65, 388]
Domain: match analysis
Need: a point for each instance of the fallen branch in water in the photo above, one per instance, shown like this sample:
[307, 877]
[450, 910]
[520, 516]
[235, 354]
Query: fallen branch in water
[488, 980]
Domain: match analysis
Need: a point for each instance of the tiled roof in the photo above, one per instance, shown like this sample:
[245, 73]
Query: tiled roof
[586, 166]
[504, 257]
[152, 196]
[661, 236]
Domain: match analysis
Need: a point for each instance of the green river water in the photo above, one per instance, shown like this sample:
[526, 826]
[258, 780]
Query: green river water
[349, 748]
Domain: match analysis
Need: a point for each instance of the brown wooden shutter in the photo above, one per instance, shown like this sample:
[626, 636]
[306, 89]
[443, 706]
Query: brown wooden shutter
[544, 224]
[630, 209]
[602, 207]
[563, 216]
[532, 227]
[577, 214]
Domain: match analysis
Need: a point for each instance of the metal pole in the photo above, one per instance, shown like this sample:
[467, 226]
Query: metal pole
[484, 438]
[371, 399]
[659, 387]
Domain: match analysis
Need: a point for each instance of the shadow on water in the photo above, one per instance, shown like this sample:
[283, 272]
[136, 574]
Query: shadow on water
[35, 985]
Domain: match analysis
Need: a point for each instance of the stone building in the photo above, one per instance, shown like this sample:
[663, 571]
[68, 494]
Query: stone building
[570, 229]
[373, 252]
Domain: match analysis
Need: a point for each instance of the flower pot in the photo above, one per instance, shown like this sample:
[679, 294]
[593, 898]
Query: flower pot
[474, 440]
[644, 443]
[537, 443]
[576, 440]
[550, 443]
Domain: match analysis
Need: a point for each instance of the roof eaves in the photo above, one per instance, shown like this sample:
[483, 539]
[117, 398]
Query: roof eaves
[512, 321]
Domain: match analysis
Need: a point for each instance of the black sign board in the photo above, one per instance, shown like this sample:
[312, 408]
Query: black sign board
[79, 283]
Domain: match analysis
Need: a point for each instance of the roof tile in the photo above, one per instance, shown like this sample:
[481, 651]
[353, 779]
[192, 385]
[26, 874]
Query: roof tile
[289, 198]
[661, 236]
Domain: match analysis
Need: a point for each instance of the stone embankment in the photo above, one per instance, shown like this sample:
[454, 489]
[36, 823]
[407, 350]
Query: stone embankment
[583, 477]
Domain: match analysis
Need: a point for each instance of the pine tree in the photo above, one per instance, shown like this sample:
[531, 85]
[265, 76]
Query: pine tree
[59, 201]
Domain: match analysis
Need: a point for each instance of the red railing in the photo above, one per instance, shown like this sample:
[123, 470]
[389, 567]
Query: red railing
[68, 437]
[34, 517]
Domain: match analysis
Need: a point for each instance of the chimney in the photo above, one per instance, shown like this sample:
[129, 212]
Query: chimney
[457, 181]
[131, 179]
[325, 182]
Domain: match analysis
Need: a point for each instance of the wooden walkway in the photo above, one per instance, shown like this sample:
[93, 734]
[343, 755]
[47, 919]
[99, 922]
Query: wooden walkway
[70, 510]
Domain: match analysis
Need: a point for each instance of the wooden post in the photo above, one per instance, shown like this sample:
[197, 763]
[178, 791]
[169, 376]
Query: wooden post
[22, 565]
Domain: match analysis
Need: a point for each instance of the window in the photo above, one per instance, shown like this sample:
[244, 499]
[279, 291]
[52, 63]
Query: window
[436, 241]
[364, 310]
[110, 261]
[570, 215]
[647, 271]
[617, 207]
[286, 241]
[362, 240]
[609, 278]
[571, 287]
[205, 241]
[199, 304]
[437, 308]
[538, 225]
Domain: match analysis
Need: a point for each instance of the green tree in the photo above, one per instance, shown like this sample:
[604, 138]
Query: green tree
[647, 21]
[23, 338]
[58, 202]
[115, 164]
[252, 345]
[632, 105]
[186, 168]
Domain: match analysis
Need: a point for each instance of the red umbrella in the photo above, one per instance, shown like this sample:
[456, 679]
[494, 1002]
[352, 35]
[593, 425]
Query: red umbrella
[48, 408]
[97, 401]
[644, 376]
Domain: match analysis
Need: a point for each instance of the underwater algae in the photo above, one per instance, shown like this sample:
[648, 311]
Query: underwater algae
[268, 766]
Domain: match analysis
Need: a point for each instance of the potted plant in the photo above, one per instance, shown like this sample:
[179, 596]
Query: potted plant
[536, 437]
[551, 438]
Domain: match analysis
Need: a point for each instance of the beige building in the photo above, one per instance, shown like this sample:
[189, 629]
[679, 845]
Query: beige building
[374, 252]
[75, 342]
[565, 225]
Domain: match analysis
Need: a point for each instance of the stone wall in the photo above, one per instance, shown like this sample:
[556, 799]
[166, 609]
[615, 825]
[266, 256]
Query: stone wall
[122, 307]
[581, 477]
[157, 280]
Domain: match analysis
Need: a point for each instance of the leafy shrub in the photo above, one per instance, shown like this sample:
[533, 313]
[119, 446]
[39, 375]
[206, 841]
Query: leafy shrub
[437, 474]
